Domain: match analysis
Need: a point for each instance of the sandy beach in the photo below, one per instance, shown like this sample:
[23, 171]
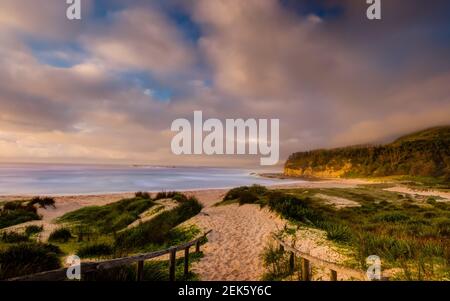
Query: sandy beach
[239, 233]
[246, 228]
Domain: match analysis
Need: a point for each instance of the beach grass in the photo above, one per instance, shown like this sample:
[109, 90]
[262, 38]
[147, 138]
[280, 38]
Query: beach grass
[17, 212]
[412, 234]
[159, 230]
[90, 237]
[28, 258]
[154, 270]
[100, 232]
[109, 218]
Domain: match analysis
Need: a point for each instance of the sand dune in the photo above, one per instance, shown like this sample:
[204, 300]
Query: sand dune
[240, 233]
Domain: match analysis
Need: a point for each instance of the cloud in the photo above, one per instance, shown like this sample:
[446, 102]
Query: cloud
[140, 39]
[44, 18]
[318, 75]
[331, 78]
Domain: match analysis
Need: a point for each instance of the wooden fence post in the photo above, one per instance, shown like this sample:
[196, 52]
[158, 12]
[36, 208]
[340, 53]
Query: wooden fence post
[197, 246]
[333, 275]
[186, 262]
[291, 262]
[306, 275]
[173, 257]
[140, 270]
[90, 269]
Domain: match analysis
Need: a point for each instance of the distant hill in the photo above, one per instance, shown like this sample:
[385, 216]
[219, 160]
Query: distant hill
[423, 153]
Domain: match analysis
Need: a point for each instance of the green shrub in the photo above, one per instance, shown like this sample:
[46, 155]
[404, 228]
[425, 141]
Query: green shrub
[337, 232]
[443, 227]
[13, 237]
[142, 195]
[28, 258]
[276, 263]
[431, 201]
[442, 206]
[43, 202]
[235, 193]
[294, 208]
[174, 195]
[179, 197]
[33, 229]
[392, 217]
[95, 250]
[17, 216]
[15, 205]
[60, 235]
[165, 195]
[385, 246]
[156, 230]
[430, 214]
[247, 197]
[110, 218]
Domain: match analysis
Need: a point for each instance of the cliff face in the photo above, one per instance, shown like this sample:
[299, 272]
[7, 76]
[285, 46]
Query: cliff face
[425, 153]
[325, 172]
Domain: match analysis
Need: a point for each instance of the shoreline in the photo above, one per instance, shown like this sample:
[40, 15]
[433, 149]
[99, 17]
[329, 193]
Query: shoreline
[247, 172]
[99, 198]
[208, 197]
[247, 228]
[300, 182]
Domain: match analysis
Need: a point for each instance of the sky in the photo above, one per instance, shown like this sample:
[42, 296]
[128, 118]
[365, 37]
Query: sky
[106, 89]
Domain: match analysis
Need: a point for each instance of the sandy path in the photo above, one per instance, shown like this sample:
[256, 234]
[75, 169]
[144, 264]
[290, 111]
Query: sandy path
[240, 233]
[401, 189]
[239, 236]
[337, 202]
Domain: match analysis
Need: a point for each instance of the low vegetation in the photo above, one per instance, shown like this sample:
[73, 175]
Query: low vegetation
[100, 232]
[13, 237]
[43, 202]
[33, 229]
[278, 265]
[169, 195]
[95, 250]
[412, 235]
[60, 235]
[142, 195]
[423, 157]
[153, 271]
[28, 258]
[14, 213]
[159, 230]
[18, 212]
[112, 217]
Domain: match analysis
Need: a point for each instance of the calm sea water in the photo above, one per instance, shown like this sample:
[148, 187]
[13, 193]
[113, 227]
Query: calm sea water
[34, 179]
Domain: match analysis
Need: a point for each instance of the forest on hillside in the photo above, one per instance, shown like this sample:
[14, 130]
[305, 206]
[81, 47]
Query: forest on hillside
[425, 153]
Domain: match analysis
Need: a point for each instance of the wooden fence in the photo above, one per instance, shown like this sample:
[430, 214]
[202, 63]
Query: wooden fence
[307, 260]
[92, 267]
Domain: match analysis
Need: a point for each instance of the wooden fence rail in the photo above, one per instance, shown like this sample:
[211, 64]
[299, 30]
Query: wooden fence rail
[92, 267]
[308, 260]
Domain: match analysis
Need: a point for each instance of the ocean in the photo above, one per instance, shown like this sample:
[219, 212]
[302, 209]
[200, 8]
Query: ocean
[58, 179]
